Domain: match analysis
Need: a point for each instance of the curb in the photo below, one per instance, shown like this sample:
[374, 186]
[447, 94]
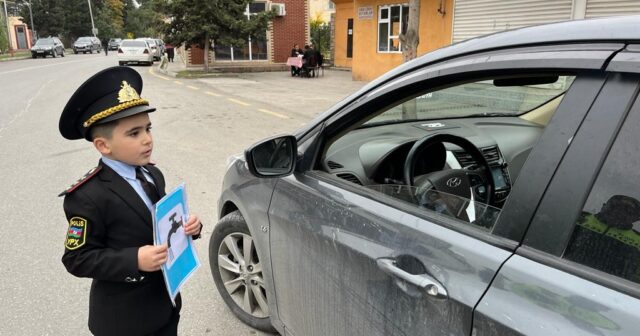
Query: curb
[14, 58]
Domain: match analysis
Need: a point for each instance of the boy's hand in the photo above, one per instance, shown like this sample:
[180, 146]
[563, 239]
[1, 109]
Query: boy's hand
[151, 257]
[193, 226]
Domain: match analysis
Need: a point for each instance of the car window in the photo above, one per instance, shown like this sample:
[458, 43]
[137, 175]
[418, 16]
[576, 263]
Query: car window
[84, 39]
[489, 97]
[44, 42]
[376, 151]
[607, 233]
[136, 44]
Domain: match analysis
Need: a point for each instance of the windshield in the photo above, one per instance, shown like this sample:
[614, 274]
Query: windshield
[483, 98]
[84, 39]
[42, 42]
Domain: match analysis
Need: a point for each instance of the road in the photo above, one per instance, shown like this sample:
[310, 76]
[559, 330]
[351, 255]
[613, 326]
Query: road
[199, 123]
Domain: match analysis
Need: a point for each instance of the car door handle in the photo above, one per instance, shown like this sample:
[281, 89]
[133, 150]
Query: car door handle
[424, 281]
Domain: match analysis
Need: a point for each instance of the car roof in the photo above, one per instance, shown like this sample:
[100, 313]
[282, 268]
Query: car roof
[599, 30]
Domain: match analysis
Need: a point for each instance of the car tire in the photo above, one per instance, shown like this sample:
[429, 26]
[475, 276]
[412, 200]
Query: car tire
[54, 54]
[34, 56]
[232, 230]
[75, 52]
[62, 53]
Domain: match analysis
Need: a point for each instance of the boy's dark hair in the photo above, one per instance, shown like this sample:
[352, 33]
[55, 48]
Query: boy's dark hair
[104, 130]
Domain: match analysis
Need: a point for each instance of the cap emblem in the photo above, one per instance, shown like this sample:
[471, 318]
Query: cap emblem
[127, 93]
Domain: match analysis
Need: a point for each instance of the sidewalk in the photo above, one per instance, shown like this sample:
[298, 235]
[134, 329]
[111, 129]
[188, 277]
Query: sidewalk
[279, 91]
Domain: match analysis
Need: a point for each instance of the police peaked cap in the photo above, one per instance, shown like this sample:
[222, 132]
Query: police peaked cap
[111, 94]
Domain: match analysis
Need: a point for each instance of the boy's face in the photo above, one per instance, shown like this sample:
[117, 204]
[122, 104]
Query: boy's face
[131, 141]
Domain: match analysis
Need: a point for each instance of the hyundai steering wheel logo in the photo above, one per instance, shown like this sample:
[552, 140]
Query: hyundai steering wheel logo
[454, 182]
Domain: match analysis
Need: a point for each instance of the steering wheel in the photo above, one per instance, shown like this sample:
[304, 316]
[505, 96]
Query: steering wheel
[459, 182]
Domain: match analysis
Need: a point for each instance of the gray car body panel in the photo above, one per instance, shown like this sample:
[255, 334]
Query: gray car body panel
[524, 300]
[324, 244]
[251, 196]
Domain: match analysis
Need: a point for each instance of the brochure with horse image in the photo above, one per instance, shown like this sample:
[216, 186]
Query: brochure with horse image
[171, 214]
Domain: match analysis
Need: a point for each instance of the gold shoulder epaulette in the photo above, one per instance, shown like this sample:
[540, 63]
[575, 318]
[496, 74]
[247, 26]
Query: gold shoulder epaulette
[81, 181]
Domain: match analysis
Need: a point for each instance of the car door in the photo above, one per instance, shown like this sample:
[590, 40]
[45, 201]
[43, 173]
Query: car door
[348, 261]
[578, 270]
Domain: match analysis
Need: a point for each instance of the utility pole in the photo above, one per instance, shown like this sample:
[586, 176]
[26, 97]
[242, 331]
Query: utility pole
[33, 28]
[93, 27]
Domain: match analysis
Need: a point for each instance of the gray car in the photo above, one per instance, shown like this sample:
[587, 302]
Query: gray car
[87, 44]
[486, 188]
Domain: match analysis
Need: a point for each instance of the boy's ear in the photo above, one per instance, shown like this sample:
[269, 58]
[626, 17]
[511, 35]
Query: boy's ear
[102, 145]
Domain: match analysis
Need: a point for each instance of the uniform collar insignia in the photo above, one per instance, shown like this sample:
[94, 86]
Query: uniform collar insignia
[127, 93]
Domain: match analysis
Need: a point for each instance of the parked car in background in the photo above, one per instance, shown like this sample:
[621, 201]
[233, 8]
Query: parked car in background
[87, 44]
[161, 46]
[114, 43]
[153, 44]
[486, 188]
[135, 51]
[47, 46]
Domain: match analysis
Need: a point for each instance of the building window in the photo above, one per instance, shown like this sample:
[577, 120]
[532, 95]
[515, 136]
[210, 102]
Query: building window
[331, 4]
[256, 47]
[392, 21]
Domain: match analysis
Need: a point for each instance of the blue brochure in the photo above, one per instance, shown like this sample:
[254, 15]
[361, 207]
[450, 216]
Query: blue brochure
[171, 214]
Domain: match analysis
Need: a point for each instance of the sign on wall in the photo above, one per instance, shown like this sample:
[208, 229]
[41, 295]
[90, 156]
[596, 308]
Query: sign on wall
[365, 12]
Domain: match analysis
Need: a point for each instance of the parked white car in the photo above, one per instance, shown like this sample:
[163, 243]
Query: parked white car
[153, 44]
[135, 51]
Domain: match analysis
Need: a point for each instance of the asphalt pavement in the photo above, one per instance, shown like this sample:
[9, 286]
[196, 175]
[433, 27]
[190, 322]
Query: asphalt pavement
[198, 124]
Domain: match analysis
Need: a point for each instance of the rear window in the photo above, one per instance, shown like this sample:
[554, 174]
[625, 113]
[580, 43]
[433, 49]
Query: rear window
[138, 44]
[44, 42]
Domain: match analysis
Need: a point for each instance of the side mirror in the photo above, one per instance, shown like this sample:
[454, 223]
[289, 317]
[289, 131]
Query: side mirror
[274, 157]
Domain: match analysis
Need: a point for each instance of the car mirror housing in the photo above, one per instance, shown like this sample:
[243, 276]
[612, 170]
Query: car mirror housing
[273, 157]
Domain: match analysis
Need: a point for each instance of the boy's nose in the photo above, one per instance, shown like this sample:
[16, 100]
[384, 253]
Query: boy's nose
[147, 138]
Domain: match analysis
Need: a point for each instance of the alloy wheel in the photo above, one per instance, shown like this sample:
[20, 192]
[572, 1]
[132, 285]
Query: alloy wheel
[241, 273]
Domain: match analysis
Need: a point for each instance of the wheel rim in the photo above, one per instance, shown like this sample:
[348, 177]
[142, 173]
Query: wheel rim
[241, 274]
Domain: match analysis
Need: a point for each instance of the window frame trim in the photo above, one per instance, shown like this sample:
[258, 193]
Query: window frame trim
[388, 22]
[582, 271]
[555, 239]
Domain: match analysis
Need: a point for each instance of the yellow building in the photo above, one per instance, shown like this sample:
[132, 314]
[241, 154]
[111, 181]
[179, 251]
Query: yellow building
[20, 34]
[321, 9]
[367, 33]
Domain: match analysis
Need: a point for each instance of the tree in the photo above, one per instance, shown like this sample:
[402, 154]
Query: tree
[4, 42]
[48, 16]
[104, 23]
[320, 34]
[198, 22]
[77, 21]
[410, 38]
[141, 21]
[410, 41]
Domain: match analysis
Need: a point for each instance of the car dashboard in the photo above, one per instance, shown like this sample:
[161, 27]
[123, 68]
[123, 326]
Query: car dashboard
[375, 155]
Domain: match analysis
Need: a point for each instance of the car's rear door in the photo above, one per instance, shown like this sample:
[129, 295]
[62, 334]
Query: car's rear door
[578, 269]
[346, 259]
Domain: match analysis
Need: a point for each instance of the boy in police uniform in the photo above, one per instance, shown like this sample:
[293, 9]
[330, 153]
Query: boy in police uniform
[110, 234]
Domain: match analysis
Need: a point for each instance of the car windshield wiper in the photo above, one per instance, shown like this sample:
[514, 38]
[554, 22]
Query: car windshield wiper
[382, 122]
[491, 114]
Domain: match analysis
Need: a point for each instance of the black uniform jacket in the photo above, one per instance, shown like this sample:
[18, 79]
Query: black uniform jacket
[116, 222]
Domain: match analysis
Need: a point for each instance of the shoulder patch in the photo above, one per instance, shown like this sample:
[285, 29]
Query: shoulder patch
[76, 234]
[81, 181]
